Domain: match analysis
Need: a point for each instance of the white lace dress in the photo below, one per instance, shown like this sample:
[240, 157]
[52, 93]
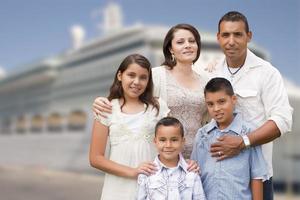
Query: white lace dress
[131, 143]
[188, 106]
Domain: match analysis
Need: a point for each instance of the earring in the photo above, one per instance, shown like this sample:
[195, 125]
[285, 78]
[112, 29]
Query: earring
[173, 57]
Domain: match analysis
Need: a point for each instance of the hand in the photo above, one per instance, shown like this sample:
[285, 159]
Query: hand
[211, 66]
[193, 166]
[146, 168]
[101, 106]
[227, 146]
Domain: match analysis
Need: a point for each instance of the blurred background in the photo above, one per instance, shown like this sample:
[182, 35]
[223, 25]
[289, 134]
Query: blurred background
[57, 56]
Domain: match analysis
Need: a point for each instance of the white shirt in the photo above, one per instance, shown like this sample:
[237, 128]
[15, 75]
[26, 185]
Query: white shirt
[261, 96]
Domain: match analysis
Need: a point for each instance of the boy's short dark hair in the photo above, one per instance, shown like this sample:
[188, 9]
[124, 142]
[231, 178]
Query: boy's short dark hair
[219, 84]
[170, 121]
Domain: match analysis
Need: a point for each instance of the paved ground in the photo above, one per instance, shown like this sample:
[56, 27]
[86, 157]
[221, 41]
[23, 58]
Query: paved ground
[38, 184]
[41, 184]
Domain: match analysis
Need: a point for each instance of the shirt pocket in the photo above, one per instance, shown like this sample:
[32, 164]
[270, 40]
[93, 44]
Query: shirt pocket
[157, 189]
[248, 103]
[186, 188]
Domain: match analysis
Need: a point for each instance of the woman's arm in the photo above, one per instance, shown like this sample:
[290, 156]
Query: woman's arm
[257, 189]
[102, 106]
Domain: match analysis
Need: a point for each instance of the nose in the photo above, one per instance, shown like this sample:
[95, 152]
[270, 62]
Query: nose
[216, 108]
[187, 44]
[231, 40]
[168, 143]
[136, 81]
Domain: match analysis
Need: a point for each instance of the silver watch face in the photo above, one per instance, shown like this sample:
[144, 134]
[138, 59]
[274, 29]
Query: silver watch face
[246, 141]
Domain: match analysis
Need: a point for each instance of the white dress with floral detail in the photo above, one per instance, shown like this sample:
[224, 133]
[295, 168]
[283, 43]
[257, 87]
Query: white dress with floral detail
[131, 143]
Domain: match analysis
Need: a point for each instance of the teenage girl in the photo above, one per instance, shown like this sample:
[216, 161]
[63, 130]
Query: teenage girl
[129, 130]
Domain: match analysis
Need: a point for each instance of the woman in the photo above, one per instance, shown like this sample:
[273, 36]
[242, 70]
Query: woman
[176, 82]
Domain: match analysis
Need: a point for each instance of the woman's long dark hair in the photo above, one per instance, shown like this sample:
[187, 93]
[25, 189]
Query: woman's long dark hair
[116, 90]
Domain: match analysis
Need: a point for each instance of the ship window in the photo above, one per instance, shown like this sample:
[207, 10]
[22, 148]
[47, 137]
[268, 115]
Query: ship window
[77, 121]
[21, 124]
[37, 123]
[54, 122]
[5, 126]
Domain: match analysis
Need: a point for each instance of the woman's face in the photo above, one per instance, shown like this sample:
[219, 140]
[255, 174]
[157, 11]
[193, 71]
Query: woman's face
[184, 46]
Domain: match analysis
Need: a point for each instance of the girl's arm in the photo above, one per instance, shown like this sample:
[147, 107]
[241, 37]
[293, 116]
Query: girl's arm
[257, 189]
[97, 150]
[97, 160]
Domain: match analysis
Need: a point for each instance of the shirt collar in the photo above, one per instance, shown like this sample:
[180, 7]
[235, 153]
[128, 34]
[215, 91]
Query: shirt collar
[235, 125]
[251, 61]
[181, 164]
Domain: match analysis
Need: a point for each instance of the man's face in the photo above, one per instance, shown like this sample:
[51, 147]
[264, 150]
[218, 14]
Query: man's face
[233, 40]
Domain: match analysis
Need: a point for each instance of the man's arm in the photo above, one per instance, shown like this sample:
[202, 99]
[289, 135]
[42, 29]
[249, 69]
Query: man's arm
[230, 145]
[279, 119]
[264, 134]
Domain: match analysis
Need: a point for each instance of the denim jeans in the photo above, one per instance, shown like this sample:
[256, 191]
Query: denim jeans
[268, 189]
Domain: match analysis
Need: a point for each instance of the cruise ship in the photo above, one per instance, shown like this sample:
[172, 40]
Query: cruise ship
[46, 106]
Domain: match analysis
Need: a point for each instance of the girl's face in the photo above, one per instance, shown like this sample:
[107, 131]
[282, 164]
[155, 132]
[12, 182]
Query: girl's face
[184, 46]
[134, 81]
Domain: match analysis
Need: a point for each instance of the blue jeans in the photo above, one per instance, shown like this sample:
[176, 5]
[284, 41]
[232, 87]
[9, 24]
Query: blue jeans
[268, 189]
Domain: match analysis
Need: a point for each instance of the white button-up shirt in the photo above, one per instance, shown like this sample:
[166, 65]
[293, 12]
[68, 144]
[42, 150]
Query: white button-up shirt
[261, 96]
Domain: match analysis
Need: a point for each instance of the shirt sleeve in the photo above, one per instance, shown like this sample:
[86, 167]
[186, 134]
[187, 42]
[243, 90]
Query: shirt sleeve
[275, 100]
[194, 154]
[103, 120]
[156, 76]
[141, 193]
[258, 165]
[163, 108]
[198, 193]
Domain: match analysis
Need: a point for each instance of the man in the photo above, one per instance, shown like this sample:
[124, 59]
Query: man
[262, 98]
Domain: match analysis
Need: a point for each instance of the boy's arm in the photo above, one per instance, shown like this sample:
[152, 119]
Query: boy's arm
[141, 193]
[198, 193]
[257, 189]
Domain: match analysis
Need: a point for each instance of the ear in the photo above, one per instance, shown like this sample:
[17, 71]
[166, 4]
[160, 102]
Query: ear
[234, 99]
[119, 76]
[171, 50]
[249, 36]
[154, 140]
[218, 36]
[183, 140]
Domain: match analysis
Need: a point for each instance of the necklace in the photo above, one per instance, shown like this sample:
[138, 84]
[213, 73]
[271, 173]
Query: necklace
[233, 73]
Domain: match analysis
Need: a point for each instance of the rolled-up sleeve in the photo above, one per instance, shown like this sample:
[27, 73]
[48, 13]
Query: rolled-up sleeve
[276, 102]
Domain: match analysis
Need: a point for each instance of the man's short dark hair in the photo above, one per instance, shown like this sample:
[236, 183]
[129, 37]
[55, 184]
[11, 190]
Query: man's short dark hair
[170, 121]
[219, 84]
[234, 16]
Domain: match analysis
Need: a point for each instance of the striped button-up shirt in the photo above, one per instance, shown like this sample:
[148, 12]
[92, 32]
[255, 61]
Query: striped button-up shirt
[170, 184]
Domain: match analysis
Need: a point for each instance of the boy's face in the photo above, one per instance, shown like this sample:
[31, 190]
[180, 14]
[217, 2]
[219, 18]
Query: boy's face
[220, 107]
[169, 144]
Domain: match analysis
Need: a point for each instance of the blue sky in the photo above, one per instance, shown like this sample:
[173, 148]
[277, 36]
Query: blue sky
[34, 29]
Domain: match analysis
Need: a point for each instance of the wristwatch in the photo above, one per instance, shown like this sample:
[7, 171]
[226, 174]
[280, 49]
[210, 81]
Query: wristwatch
[246, 141]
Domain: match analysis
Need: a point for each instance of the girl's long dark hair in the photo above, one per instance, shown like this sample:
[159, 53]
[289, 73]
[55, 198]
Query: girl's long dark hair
[116, 90]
